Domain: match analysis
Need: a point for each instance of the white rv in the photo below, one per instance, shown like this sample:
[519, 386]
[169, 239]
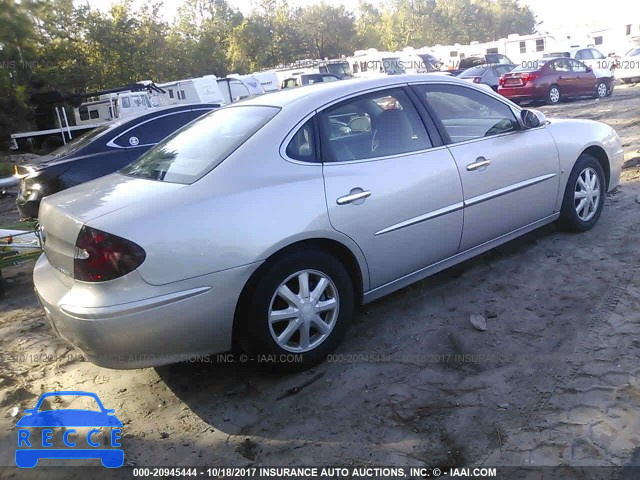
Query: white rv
[235, 88]
[371, 63]
[192, 90]
[110, 106]
[268, 80]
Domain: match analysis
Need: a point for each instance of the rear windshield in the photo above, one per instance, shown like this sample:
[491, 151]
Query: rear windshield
[194, 150]
[77, 143]
[529, 66]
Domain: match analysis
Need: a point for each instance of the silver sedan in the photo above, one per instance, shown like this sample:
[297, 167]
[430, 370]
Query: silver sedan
[266, 223]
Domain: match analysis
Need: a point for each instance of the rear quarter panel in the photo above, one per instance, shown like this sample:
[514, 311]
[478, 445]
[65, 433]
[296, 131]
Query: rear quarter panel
[250, 206]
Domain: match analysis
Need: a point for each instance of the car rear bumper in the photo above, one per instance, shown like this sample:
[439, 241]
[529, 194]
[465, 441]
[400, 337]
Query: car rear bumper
[527, 92]
[163, 325]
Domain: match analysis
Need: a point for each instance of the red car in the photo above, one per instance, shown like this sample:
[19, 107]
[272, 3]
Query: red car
[550, 80]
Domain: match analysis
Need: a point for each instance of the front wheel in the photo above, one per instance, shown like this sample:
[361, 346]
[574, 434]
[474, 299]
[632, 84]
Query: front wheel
[553, 95]
[601, 90]
[299, 310]
[584, 195]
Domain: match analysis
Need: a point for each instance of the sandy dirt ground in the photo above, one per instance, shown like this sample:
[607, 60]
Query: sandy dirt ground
[554, 380]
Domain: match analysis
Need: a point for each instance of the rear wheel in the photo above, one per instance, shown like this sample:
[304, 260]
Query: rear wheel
[553, 95]
[584, 195]
[299, 310]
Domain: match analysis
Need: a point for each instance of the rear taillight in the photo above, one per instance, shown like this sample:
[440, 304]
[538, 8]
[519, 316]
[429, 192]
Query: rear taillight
[501, 80]
[101, 256]
[529, 77]
[477, 79]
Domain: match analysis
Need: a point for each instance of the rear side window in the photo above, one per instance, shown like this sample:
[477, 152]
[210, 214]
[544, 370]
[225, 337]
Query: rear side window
[193, 151]
[302, 145]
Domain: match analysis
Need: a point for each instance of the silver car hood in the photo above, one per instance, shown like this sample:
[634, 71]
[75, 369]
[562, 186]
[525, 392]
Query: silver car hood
[63, 214]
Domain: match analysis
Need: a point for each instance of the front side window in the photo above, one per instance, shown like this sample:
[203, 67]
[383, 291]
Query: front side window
[596, 53]
[191, 152]
[467, 114]
[370, 126]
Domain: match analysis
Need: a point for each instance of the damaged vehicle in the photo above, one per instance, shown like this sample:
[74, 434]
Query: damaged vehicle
[265, 224]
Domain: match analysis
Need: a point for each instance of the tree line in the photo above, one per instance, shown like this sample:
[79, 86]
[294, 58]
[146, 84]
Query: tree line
[56, 44]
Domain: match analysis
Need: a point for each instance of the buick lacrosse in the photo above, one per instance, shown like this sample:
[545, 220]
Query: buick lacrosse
[266, 223]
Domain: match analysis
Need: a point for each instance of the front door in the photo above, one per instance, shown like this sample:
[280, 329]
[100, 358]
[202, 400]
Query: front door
[509, 176]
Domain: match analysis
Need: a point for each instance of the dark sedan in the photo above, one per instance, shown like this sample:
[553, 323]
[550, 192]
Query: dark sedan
[100, 152]
[549, 81]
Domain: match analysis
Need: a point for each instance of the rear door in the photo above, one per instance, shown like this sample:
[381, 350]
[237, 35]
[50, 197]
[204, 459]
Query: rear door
[388, 186]
[509, 176]
[565, 77]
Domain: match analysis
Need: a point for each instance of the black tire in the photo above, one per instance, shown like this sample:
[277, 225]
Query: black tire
[553, 99]
[260, 342]
[601, 90]
[569, 219]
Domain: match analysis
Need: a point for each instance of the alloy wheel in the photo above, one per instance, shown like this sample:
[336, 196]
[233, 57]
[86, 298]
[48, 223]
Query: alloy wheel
[554, 95]
[602, 90]
[303, 311]
[587, 194]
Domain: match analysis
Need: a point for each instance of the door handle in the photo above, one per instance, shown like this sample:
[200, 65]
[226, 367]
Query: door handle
[480, 162]
[354, 195]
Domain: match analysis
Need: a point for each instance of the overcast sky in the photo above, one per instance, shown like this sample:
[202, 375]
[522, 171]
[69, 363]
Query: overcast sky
[557, 15]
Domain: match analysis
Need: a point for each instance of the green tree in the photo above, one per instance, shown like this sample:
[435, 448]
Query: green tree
[326, 31]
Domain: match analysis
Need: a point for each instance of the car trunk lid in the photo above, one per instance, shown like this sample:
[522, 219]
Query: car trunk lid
[517, 79]
[62, 215]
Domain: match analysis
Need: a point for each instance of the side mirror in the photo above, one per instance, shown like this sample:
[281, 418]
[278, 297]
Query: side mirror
[532, 118]
[589, 69]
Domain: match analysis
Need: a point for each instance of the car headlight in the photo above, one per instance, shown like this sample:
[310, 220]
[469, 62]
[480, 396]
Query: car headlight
[31, 189]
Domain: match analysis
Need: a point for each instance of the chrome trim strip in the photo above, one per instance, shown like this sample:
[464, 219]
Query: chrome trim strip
[406, 280]
[102, 313]
[509, 189]
[422, 218]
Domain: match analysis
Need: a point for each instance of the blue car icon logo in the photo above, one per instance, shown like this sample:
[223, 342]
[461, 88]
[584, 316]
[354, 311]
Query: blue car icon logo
[36, 430]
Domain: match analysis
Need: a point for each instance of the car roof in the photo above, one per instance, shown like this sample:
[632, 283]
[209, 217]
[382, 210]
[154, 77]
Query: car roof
[324, 92]
[157, 110]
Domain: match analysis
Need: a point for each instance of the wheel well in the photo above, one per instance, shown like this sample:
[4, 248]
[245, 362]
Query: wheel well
[338, 250]
[599, 154]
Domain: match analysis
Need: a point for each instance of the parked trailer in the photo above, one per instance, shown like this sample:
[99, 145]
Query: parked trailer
[101, 107]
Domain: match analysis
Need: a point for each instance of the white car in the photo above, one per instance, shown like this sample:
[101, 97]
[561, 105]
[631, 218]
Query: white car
[628, 68]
